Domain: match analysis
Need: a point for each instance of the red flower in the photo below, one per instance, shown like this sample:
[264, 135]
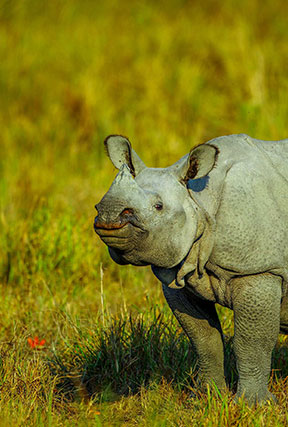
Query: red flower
[35, 343]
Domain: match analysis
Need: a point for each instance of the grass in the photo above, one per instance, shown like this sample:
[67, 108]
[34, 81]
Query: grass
[168, 75]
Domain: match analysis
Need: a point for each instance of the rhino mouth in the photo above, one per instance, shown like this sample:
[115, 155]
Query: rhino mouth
[120, 235]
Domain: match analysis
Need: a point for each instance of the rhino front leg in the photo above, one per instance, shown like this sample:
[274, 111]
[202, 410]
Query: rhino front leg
[199, 320]
[256, 304]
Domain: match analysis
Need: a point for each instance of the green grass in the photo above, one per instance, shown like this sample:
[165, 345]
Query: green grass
[168, 75]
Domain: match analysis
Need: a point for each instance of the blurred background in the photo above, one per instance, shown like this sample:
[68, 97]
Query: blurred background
[167, 74]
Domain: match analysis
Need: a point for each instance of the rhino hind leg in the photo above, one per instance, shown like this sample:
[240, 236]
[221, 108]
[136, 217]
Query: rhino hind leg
[200, 322]
[256, 304]
[284, 316]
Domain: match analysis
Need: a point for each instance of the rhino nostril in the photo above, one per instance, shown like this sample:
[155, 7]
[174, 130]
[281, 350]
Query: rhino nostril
[127, 211]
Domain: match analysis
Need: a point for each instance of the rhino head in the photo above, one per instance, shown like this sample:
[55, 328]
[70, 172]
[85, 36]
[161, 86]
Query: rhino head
[148, 216]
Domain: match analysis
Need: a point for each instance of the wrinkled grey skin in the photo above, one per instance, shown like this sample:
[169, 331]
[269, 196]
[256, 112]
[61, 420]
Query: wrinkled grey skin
[214, 228]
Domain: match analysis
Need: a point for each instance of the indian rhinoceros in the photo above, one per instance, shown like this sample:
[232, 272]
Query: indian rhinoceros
[214, 228]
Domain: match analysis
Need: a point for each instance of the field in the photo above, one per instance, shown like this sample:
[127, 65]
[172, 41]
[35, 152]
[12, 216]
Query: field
[169, 75]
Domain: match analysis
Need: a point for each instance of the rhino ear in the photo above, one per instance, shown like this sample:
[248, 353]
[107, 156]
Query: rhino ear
[121, 153]
[198, 163]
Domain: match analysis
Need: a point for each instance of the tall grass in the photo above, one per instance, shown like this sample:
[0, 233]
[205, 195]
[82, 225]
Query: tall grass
[168, 75]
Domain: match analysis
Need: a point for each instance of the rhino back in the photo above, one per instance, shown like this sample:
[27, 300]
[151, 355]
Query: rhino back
[276, 151]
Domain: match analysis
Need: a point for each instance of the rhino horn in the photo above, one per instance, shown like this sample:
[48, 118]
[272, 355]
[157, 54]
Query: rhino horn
[117, 206]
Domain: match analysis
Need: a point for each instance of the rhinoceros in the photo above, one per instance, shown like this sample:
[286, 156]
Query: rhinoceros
[214, 229]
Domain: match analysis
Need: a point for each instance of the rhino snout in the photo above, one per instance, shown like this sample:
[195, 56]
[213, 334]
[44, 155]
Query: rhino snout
[105, 220]
[102, 225]
[117, 230]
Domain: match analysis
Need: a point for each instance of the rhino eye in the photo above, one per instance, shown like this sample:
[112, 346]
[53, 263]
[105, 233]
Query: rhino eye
[158, 206]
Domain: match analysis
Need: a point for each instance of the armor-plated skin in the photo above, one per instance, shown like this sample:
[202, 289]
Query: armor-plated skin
[214, 228]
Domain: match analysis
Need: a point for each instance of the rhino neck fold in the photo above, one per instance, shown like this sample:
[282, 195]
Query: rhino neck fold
[200, 251]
